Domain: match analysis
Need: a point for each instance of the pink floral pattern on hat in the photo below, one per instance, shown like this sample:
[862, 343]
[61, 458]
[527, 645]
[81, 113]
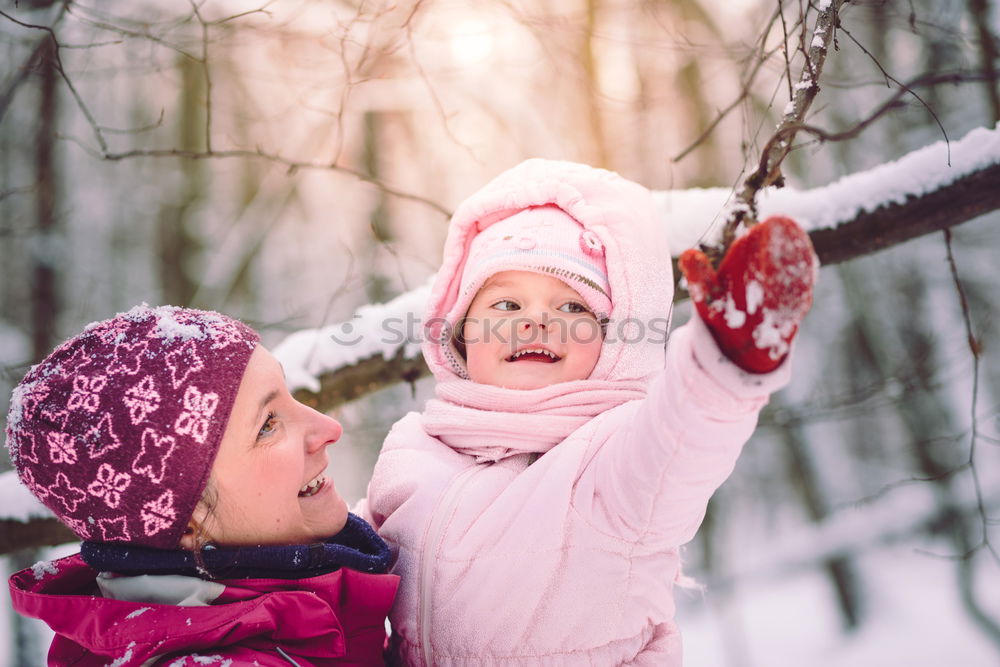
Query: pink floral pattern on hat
[153, 456]
[109, 485]
[158, 514]
[198, 410]
[86, 392]
[141, 400]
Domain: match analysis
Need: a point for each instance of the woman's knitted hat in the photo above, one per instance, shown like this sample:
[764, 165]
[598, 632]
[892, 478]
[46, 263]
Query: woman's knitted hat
[116, 431]
[541, 239]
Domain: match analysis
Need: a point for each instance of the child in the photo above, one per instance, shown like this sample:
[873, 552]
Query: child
[537, 505]
[166, 440]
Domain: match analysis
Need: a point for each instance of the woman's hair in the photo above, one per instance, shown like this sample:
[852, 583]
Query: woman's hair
[209, 505]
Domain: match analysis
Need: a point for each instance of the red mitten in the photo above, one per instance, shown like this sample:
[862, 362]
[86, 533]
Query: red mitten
[754, 303]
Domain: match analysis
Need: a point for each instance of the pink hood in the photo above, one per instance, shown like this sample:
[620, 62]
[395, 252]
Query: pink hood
[618, 211]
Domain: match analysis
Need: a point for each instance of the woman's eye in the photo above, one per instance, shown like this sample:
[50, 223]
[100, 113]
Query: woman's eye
[506, 304]
[573, 307]
[269, 426]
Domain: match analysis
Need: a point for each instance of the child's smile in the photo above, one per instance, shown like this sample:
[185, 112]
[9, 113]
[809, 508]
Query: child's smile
[526, 330]
[538, 354]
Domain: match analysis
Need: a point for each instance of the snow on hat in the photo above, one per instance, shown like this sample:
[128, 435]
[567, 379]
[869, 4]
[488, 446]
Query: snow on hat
[541, 239]
[117, 429]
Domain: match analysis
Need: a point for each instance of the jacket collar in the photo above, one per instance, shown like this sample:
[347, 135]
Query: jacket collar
[357, 547]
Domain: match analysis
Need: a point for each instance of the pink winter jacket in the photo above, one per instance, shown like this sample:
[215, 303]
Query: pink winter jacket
[542, 527]
[331, 619]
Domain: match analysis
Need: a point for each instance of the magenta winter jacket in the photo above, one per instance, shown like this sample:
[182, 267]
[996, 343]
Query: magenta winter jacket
[543, 526]
[332, 619]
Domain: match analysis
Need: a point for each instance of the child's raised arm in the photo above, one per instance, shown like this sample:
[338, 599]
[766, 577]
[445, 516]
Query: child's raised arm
[657, 474]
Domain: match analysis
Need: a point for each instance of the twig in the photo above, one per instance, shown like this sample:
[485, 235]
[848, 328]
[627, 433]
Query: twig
[292, 165]
[906, 88]
[16, 191]
[57, 63]
[928, 79]
[411, 43]
[23, 73]
[975, 350]
[135, 130]
[761, 58]
[744, 208]
[207, 74]
[784, 50]
[126, 32]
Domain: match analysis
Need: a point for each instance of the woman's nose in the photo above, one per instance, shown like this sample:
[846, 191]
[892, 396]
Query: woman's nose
[324, 430]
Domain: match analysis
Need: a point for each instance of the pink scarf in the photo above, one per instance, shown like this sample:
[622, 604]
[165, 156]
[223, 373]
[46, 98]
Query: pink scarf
[493, 423]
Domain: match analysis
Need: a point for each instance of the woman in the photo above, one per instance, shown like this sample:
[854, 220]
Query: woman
[165, 438]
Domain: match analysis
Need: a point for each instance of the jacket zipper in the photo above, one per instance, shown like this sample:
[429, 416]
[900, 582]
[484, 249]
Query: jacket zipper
[287, 657]
[429, 553]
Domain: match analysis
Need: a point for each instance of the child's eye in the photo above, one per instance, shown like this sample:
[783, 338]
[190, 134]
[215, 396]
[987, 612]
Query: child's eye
[573, 307]
[269, 426]
[506, 304]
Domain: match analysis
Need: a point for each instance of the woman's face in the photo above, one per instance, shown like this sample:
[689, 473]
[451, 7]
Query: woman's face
[268, 476]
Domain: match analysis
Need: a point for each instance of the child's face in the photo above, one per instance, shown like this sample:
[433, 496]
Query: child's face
[527, 330]
[272, 449]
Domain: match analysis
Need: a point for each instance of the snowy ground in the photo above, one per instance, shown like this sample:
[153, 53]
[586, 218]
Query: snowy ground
[914, 618]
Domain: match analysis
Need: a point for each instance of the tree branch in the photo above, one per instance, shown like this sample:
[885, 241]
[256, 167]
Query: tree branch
[17, 535]
[891, 224]
[768, 171]
[292, 165]
[362, 378]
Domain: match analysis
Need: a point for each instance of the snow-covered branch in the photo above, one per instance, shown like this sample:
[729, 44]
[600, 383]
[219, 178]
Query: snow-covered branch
[25, 522]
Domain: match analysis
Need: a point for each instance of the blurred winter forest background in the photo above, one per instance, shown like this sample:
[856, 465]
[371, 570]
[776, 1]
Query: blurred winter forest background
[288, 161]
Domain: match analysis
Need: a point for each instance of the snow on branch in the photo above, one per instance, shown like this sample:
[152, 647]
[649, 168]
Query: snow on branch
[25, 522]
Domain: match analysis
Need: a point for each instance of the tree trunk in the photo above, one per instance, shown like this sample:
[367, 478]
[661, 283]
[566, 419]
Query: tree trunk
[179, 247]
[44, 284]
[376, 282]
[806, 480]
[989, 52]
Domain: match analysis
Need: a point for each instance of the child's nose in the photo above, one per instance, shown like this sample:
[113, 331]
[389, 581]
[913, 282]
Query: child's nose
[539, 317]
[530, 322]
